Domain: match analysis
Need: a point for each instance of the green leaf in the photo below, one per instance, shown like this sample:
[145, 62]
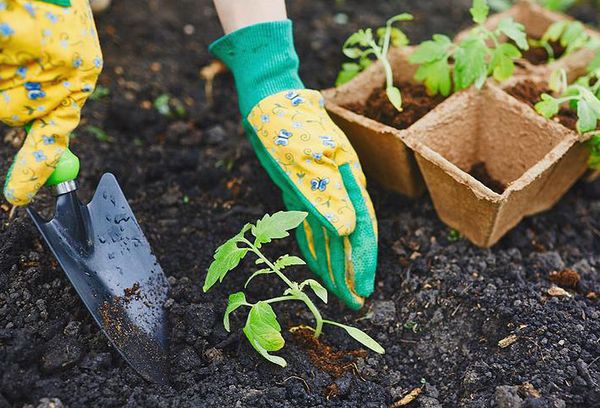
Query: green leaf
[288, 260]
[352, 52]
[161, 104]
[264, 271]
[280, 361]
[263, 329]
[319, 290]
[515, 32]
[226, 258]
[595, 64]
[558, 81]
[500, 5]
[99, 133]
[431, 50]
[587, 120]
[235, 301]
[548, 106]
[395, 97]
[348, 72]
[557, 5]
[574, 30]
[470, 63]
[363, 338]
[594, 146]
[436, 77]
[277, 225]
[400, 17]
[554, 32]
[479, 11]
[398, 38]
[99, 93]
[502, 63]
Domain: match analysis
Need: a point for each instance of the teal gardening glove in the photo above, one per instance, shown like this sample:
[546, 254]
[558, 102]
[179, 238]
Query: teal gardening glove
[307, 156]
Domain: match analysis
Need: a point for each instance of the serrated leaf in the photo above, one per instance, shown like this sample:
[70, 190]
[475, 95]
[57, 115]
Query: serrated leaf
[277, 225]
[226, 258]
[288, 260]
[479, 11]
[235, 301]
[431, 50]
[436, 77]
[316, 287]
[548, 106]
[470, 63]
[363, 338]
[262, 327]
[395, 97]
[515, 31]
[502, 64]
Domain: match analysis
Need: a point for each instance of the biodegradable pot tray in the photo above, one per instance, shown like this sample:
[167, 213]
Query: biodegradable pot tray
[487, 133]
[535, 159]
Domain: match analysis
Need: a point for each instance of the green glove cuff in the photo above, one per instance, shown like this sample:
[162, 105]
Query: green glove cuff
[62, 3]
[263, 60]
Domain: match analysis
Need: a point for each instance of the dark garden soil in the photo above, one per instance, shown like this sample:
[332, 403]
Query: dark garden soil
[416, 103]
[531, 92]
[441, 305]
[539, 55]
[480, 172]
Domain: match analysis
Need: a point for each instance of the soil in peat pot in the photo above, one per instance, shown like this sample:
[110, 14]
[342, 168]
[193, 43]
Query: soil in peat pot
[480, 172]
[440, 305]
[416, 103]
[539, 55]
[531, 92]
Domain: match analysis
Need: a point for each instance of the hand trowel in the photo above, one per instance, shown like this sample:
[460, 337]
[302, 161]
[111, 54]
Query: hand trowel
[104, 253]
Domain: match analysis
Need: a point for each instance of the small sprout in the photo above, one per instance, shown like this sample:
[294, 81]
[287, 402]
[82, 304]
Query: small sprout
[185, 199]
[262, 329]
[479, 55]
[557, 5]
[363, 45]
[583, 97]
[99, 93]
[453, 235]
[571, 35]
[99, 133]
[411, 325]
[171, 107]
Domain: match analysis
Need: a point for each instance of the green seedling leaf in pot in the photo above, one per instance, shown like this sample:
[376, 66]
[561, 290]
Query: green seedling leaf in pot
[480, 54]
[548, 106]
[363, 46]
[571, 35]
[557, 5]
[594, 146]
[479, 11]
[236, 300]
[262, 329]
[276, 226]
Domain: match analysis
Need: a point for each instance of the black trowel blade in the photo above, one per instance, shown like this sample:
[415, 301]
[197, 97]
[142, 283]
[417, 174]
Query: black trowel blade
[107, 258]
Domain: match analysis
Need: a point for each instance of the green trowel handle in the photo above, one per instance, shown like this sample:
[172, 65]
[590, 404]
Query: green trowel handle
[67, 169]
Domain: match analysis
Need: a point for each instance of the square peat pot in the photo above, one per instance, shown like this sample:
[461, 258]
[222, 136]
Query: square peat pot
[490, 160]
[537, 20]
[382, 149]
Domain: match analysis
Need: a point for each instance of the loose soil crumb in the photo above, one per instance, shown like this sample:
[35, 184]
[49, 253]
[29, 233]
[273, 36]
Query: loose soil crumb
[539, 55]
[132, 293]
[567, 278]
[480, 172]
[416, 103]
[336, 363]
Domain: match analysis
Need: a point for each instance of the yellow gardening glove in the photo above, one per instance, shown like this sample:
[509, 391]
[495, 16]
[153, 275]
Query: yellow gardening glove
[50, 59]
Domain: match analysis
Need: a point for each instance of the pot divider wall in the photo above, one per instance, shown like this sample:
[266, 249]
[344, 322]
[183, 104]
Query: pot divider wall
[535, 159]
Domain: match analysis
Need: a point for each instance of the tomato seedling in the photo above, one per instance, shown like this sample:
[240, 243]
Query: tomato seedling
[582, 96]
[571, 35]
[478, 55]
[262, 328]
[363, 45]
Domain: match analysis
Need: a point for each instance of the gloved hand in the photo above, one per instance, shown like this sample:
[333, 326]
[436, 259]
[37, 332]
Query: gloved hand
[307, 156]
[50, 59]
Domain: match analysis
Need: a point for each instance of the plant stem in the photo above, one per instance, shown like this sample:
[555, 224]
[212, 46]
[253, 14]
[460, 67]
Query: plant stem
[318, 318]
[268, 263]
[282, 299]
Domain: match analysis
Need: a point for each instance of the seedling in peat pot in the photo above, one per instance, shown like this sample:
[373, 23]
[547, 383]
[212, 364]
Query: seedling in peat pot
[362, 45]
[581, 96]
[571, 35]
[262, 328]
[478, 55]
